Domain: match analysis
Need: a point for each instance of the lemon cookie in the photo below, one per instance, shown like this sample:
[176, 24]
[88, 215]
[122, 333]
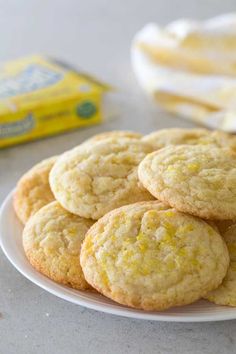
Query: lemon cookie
[33, 190]
[115, 134]
[92, 179]
[225, 294]
[179, 136]
[52, 240]
[149, 256]
[199, 180]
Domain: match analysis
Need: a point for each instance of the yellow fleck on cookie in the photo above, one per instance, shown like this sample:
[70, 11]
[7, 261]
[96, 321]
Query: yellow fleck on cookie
[149, 256]
[33, 190]
[225, 294]
[92, 179]
[115, 134]
[52, 241]
[179, 136]
[196, 179]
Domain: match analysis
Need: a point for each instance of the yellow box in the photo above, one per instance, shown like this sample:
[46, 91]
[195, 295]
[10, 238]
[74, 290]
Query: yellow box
[41, 97]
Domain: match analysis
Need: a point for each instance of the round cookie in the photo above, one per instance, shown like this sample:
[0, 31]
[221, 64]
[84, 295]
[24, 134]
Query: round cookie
[33, 190]
[92, 179]
[180, 136]
[149, 256]
[52, 240]
[114, 134]
[225, 294]
[196, 179]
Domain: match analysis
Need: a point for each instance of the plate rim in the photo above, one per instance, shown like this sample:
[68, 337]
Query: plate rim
[55, 289]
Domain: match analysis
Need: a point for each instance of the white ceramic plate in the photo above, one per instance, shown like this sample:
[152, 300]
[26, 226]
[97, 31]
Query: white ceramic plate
[10, 240]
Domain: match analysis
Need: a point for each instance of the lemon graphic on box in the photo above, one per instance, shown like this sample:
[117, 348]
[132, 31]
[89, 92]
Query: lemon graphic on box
[86, 109]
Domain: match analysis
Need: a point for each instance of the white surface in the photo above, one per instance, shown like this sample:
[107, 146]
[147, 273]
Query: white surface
[96, 35]
[11, 243]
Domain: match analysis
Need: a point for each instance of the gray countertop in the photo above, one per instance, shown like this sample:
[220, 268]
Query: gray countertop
[96, 36]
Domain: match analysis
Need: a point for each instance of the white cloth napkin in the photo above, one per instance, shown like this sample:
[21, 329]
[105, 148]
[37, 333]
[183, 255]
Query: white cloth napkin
[189, 68]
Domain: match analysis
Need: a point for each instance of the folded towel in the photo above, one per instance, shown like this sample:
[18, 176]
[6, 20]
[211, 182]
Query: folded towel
[189, 68]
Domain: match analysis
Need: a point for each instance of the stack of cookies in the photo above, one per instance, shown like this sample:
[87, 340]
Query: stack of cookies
[147, 221]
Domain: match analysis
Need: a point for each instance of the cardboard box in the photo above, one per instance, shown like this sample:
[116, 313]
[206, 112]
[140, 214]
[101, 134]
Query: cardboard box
[41, 97]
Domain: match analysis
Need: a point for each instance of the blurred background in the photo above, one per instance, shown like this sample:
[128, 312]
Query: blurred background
[93, 34]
